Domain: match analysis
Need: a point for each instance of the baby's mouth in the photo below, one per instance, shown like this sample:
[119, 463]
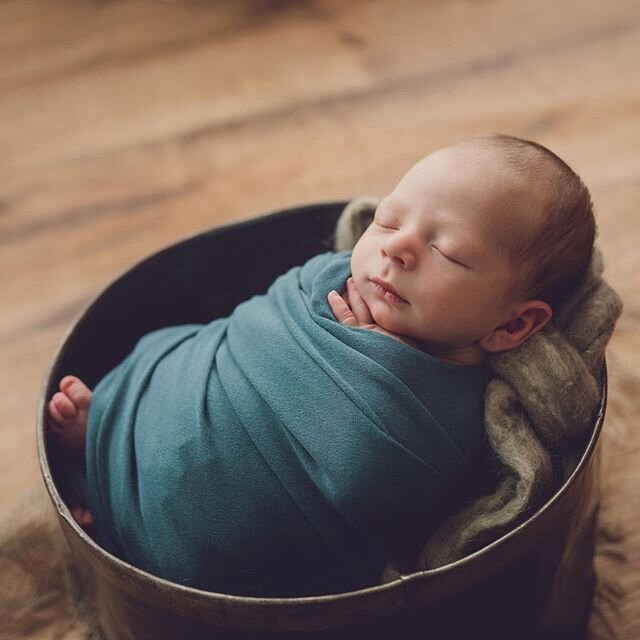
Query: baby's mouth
[387, 290]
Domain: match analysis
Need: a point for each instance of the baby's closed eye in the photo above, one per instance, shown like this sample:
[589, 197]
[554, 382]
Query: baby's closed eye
[447, 257]
[385, 225]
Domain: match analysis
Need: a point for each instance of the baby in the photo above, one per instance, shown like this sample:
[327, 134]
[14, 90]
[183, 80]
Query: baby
[467, 256]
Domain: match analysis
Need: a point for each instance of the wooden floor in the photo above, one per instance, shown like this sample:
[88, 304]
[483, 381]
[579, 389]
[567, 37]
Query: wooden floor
[127, 125]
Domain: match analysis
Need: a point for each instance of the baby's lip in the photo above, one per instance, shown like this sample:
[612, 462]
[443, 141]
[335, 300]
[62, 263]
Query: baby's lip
[388, 287]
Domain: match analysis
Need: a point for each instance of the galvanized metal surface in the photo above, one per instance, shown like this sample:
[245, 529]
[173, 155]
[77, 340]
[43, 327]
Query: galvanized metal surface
[535, 581]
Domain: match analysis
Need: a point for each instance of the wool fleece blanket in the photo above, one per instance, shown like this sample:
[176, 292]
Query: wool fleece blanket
[277, 452]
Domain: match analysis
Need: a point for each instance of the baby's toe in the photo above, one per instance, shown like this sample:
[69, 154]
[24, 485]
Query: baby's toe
[82, 516]
[62, 407]
[54, 414]
[77, 390]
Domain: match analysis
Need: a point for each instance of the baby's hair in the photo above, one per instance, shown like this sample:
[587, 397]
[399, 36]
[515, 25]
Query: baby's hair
[554, 260]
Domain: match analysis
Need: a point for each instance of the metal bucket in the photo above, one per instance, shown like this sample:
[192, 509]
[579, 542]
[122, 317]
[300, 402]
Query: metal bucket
[535, 581]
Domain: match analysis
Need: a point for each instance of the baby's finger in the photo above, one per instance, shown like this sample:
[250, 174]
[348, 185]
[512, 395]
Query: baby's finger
[359, 307]
[341, 310]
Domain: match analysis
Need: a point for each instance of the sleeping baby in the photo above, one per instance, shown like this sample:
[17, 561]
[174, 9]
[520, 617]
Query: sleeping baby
[330, 425]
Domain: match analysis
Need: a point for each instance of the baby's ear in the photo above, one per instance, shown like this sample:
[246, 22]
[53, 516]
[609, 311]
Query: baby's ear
[529, 318]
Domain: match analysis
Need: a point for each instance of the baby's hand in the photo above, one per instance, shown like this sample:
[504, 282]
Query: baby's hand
[351, 310]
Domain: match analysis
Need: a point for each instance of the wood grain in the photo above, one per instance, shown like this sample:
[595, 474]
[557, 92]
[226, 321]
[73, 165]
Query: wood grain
[125, 125]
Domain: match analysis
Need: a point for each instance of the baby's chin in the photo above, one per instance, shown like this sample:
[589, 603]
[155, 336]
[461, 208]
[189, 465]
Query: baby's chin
[386, 317]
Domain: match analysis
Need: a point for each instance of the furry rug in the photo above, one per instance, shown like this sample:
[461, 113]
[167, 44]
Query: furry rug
[40, 592]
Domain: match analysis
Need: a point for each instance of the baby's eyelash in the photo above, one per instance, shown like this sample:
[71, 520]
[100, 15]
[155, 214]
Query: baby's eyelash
[433, 246]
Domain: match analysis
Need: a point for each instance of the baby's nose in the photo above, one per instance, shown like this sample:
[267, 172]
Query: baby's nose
[403, 257]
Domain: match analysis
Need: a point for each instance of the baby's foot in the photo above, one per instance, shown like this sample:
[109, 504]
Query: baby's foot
[68, 411]
[85, 519]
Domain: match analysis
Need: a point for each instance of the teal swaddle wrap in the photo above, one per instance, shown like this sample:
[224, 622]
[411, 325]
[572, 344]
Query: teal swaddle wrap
[277, 452]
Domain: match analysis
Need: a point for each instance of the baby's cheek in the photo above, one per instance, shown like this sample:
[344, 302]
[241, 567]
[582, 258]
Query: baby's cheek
[363, 289]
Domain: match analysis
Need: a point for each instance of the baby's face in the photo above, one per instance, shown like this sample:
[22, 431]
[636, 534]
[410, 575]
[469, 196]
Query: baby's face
[437, 239]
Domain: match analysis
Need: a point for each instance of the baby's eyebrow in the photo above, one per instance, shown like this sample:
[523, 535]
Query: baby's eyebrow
[394, 203]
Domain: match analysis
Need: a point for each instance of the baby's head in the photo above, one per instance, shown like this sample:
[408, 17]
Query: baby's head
[480, 241]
